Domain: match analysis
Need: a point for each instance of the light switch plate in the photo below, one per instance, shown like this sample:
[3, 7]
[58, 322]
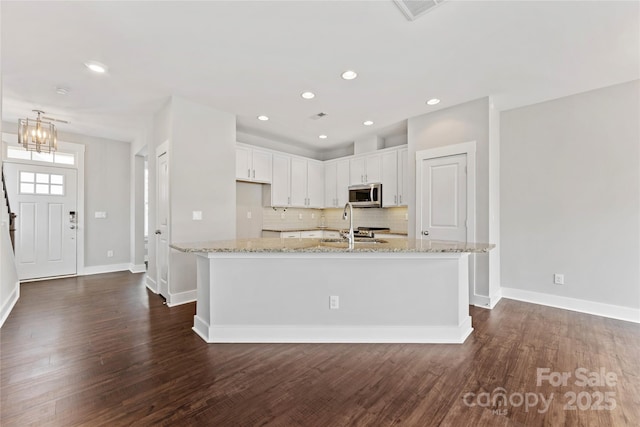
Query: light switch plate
[197, 215]
[100, 215]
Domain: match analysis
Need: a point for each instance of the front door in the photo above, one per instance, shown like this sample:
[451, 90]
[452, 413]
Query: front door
[443, 198]
[45, 202]
[162, 218]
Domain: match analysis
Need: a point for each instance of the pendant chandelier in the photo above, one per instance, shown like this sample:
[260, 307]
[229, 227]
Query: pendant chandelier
[38, 135]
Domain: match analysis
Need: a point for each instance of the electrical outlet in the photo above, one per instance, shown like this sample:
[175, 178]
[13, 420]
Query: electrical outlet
[196, 215]
[406, 217]
[248, 214]
[109, 254]
[300, 216]
[334, 302]
[313, 216]
[282, 216]
[558, 279]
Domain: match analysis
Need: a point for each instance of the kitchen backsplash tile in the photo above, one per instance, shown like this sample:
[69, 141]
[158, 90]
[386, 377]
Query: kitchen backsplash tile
[292, 218]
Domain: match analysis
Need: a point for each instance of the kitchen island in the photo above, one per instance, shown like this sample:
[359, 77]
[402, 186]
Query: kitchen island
[319, 290]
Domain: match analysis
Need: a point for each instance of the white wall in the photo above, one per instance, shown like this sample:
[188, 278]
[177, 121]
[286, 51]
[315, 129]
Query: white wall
[571, 196]
[9, 285]
[461, 123]
[107, 189]
[201, 178]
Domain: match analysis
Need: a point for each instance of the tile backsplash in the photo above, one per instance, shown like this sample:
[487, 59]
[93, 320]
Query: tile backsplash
[292, 218]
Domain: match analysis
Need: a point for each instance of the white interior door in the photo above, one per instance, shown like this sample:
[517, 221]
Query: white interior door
[45, 202]
[442, 200]
[162, 218]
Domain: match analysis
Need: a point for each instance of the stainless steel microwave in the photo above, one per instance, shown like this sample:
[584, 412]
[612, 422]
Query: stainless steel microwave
[366, 196]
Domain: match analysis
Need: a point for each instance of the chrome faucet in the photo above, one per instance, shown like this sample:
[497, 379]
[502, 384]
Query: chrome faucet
[344, 216]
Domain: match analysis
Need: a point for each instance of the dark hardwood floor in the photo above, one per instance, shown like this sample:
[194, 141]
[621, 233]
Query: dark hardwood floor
[102, 350]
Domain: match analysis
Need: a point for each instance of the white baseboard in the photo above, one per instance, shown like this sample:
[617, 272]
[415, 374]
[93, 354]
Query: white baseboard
[151, 284]
[10, 303]
[137, 268]
[583, 306]
[182, 298]
[483, 301]
[332, 334]
[100, 269]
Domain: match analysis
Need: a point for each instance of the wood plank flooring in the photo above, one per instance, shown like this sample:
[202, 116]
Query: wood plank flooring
[103, 350]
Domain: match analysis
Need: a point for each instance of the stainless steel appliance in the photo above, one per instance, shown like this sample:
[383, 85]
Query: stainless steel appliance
[366, 196]
[368, 231]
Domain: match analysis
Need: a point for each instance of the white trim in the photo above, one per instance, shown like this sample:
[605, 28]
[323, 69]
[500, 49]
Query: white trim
[108, 268]
[162, 149]
[583, 306]
[483, 301]
[332, 334]
[151, 284]
[182, 298]
[469, 149]
[11, 302]
[137, 268]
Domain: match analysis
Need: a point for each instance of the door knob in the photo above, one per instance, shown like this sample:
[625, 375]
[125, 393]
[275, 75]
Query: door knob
[73, 227]
[158, 232]
[425, 233]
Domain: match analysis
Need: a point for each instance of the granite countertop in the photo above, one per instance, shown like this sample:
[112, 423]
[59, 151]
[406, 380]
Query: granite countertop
[276, 245]
[281, 230]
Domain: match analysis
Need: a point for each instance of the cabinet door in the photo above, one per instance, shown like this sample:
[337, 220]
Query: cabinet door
[298, 182]
[390, 179]
[356, 171]
[373, 169]
[403, 176]
[315, 184]
[342, 182]
[280, 183]
[290, 235]
[330, 184]
[243, 163]
[315, 234]
[261, 170]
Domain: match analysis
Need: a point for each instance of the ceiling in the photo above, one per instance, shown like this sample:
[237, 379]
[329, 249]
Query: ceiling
[253, 58]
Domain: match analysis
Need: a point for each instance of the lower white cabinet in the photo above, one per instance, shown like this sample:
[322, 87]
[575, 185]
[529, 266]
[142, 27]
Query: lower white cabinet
[390, 236]
[330, 234]
[314, 234]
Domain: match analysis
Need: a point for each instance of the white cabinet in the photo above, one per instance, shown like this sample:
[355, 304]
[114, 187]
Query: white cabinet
[330, 234]
[390, 178]
[281, 181]
[307, 183]
[313, 234]
[403, 177]
[336, 182]
[290, 235]
[365, 170]
[390, 236]
[253, 165]
[297, 182]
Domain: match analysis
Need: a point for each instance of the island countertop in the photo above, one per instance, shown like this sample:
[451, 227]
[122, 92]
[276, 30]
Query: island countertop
[276, 245]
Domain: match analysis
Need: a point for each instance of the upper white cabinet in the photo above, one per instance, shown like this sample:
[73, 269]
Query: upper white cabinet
[403, 176]
[336, 182]
[253, 165]
[365, 169]
[281, 182]
[390, 178]
[297, 182]
[307, 183]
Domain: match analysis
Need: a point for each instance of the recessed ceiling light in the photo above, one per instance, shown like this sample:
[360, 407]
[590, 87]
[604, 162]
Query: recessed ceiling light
[349, 75]
[263, 118]
[367, 123]
[96, 67]
[433, 101]
[322, 136]
[308, 95]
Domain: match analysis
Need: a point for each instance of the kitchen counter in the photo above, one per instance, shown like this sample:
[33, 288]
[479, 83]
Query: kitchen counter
[275, 245]
[318, 290]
